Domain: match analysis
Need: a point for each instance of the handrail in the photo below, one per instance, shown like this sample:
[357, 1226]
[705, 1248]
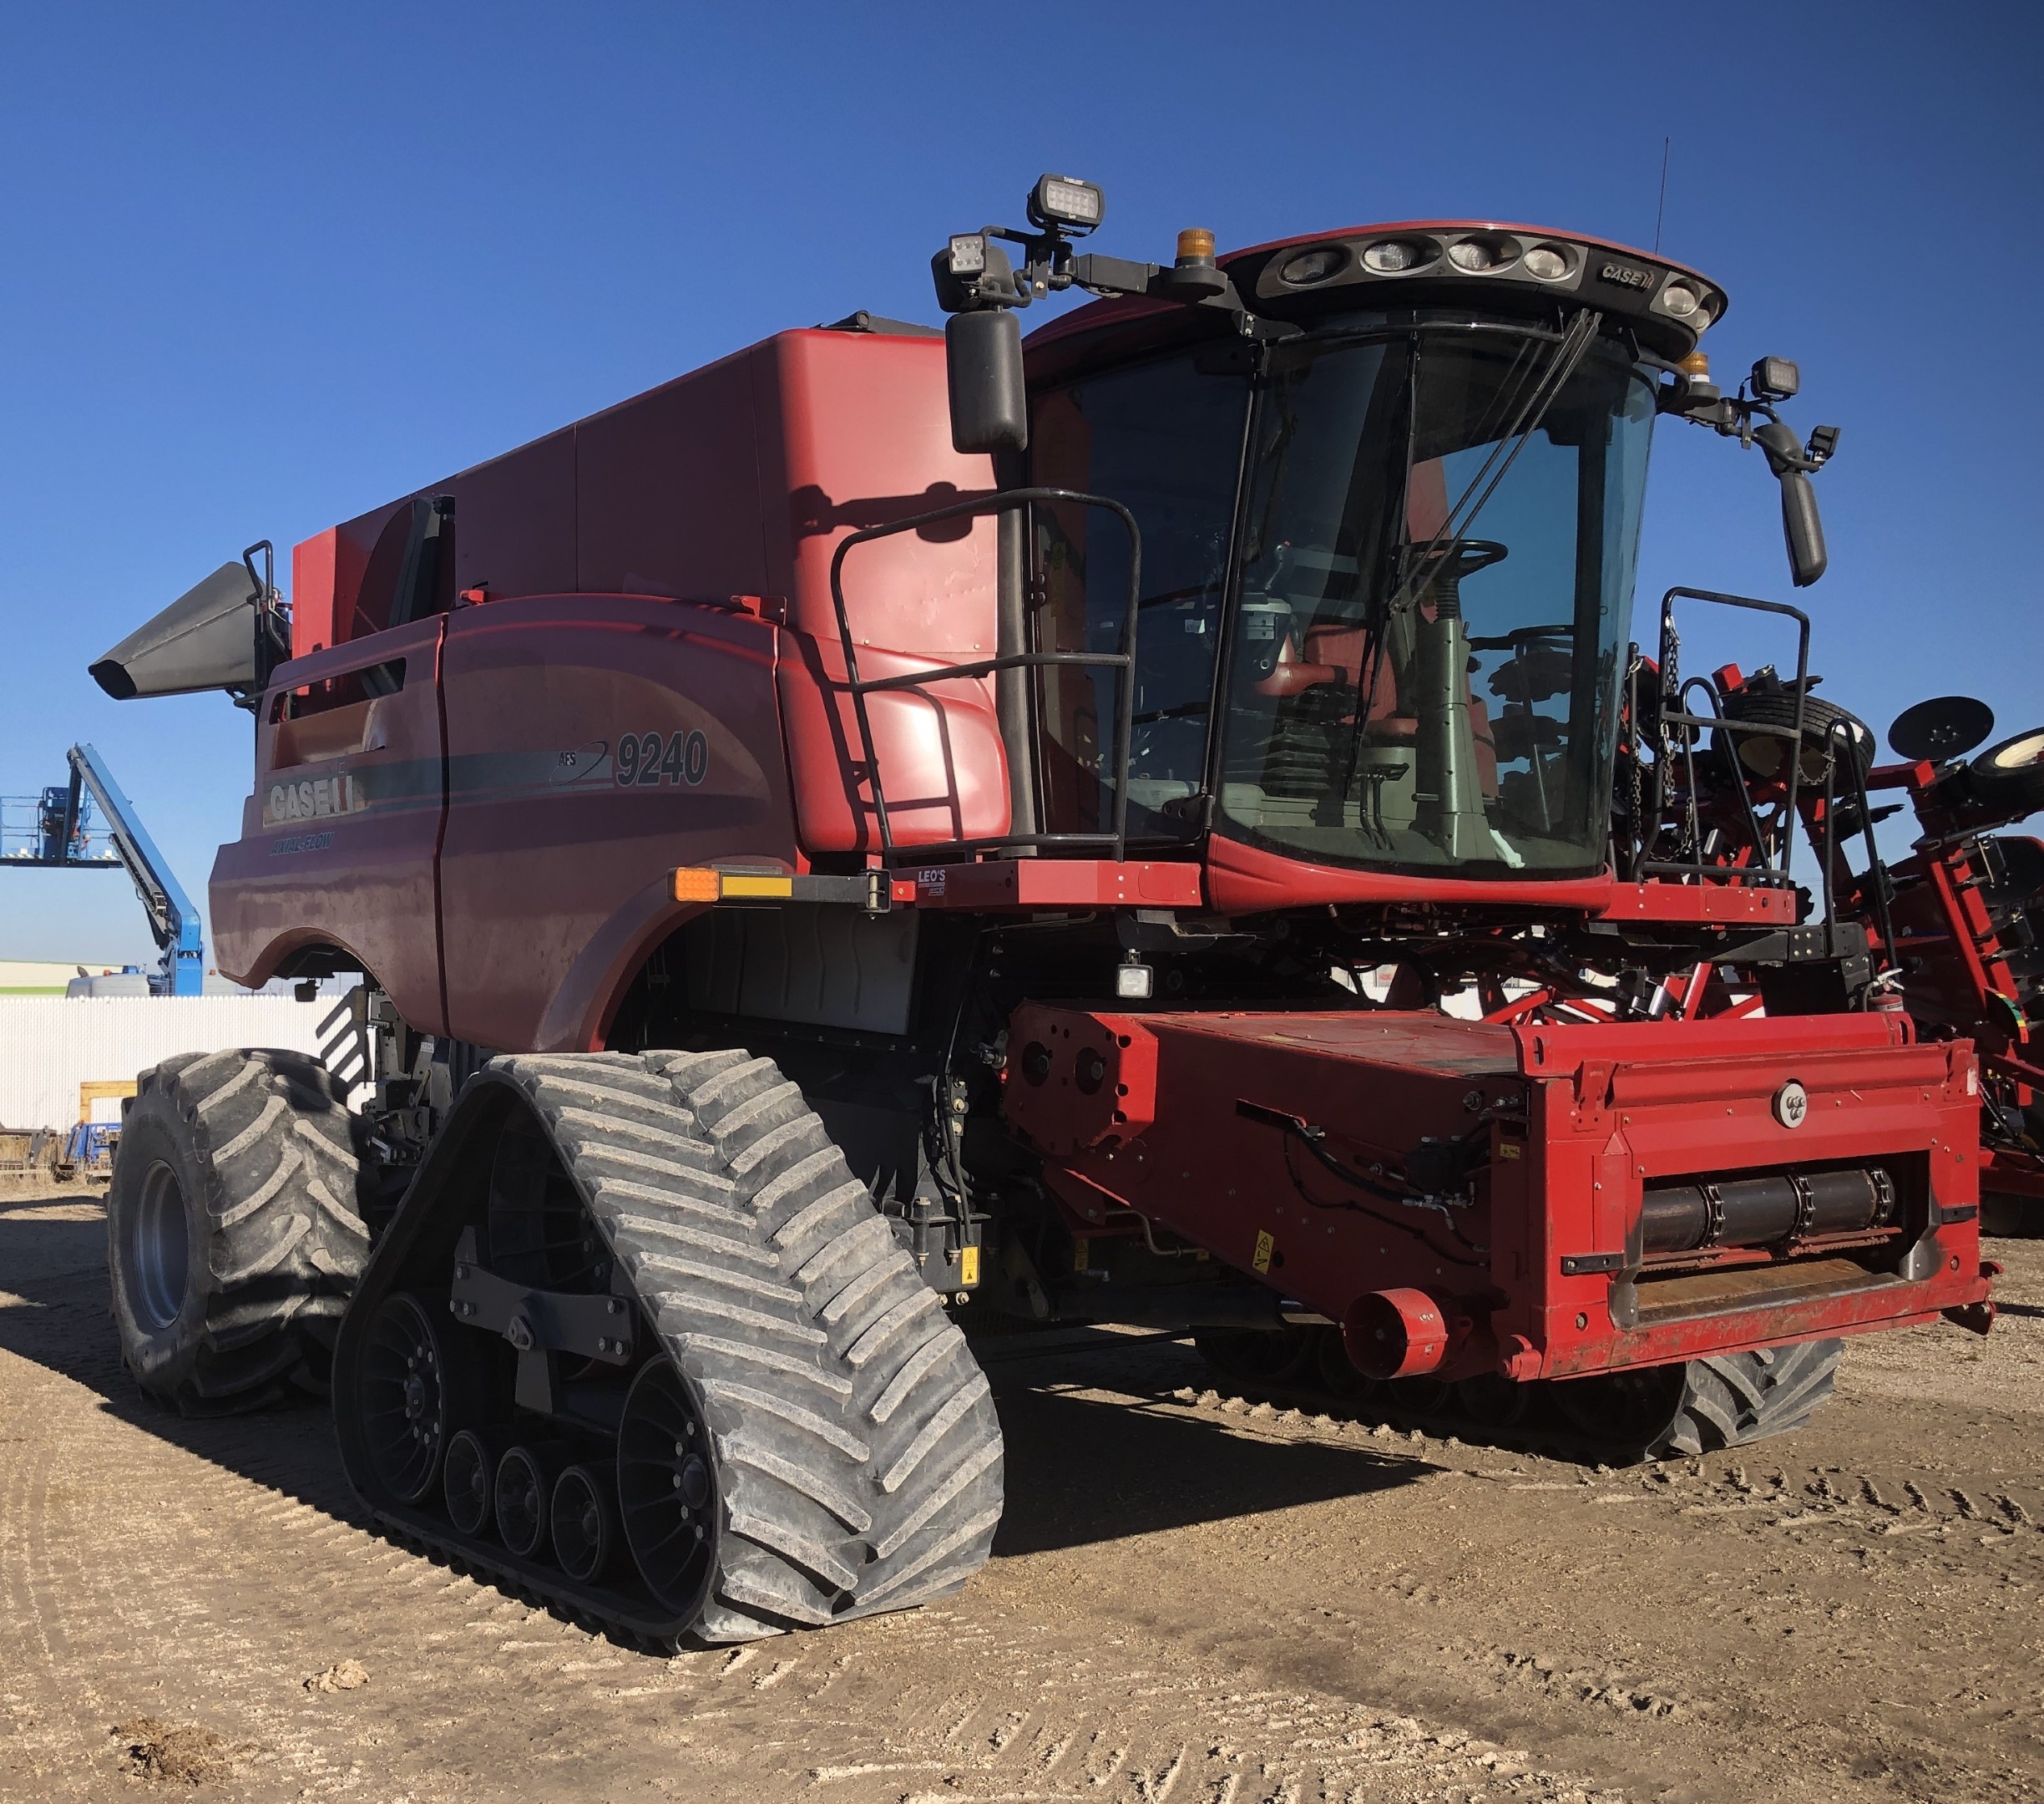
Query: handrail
[1836, 736]
[1123, 661]
[1672, 713]
[1875, 884]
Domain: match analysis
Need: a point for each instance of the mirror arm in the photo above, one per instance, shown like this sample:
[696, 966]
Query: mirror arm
[1752, 421]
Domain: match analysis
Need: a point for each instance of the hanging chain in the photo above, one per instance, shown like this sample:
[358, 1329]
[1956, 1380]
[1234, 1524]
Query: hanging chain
[1671, 702]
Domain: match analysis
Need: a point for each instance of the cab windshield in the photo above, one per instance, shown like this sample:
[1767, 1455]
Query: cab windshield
[1434, 550]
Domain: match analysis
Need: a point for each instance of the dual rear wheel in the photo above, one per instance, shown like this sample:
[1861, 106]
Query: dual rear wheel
[235, 1228]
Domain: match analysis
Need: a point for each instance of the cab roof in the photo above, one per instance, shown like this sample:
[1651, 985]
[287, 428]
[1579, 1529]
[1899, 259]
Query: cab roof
[1488, 265]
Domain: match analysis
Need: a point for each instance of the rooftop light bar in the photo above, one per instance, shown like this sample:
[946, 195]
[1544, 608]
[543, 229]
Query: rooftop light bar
[1461, 260]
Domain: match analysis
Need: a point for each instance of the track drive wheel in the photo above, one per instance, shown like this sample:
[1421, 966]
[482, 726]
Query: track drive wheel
[1665, 1412]
[234, 1231]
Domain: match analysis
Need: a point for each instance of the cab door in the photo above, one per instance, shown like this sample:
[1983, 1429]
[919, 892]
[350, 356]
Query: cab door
[341, 838]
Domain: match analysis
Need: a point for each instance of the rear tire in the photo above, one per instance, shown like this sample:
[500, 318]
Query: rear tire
[235, 1233]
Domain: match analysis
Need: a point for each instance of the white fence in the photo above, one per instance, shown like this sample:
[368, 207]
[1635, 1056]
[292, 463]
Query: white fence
[50, 1045]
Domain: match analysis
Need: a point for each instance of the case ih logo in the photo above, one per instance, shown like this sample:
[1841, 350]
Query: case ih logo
[313, 800]
[1791, 1104]
[1625, 276]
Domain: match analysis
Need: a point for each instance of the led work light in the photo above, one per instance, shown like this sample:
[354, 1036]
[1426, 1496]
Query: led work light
[1776, 378]
[1076, 207]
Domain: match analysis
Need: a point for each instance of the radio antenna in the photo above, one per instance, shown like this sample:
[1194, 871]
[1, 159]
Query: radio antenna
[1660, 207]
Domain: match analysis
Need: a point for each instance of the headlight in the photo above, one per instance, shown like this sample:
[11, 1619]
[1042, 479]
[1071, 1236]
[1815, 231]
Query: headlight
[1679, 299]
[1478, 256]
[1547, 262]
[1395, 256]
[1314, 265]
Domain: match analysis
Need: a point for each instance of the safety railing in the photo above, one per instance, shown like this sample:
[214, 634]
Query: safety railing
[1122, 662]
[1726, 731]
[1837, 745]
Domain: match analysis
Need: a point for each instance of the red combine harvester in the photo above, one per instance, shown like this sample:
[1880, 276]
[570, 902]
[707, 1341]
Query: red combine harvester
[1166, 827]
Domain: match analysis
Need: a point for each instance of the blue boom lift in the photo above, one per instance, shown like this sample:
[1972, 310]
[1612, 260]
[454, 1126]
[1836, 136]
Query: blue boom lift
[61, 839]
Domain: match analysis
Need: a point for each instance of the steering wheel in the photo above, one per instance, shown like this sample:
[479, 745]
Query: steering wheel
[1459, 558]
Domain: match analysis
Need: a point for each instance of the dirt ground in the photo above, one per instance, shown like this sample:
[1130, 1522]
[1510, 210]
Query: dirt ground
[1191, 1600]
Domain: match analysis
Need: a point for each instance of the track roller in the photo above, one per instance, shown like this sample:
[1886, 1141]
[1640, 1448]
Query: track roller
[468, 1479]
[522, 1499]
[584, 1514]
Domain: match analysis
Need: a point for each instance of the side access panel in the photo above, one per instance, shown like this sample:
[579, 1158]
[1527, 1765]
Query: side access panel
[595, 743]
[338, 840]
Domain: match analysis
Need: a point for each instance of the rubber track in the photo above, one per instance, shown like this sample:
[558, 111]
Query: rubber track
[1728, 1400]
[271, 1133]
[858, 1454]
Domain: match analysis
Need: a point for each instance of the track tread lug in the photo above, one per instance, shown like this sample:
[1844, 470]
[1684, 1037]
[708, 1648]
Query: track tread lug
[682, 1311]
[750, 1398]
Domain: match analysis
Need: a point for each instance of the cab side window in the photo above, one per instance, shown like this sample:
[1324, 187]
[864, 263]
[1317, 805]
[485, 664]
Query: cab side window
[1164, 438]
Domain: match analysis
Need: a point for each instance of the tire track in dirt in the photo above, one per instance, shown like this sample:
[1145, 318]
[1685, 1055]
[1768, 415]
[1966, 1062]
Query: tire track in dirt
[158, 1579]
[1202, 1602]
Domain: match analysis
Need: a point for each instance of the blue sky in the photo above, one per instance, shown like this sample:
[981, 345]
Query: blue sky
[263, 267]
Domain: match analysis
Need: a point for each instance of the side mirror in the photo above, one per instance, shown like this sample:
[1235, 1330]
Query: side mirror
[1803, 529]
[982, 360]
[1800, 525]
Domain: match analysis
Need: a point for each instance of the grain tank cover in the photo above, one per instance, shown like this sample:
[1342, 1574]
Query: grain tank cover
[205, 639]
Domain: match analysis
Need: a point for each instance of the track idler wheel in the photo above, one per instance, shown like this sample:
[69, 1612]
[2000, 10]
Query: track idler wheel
[667, 1489]
[1623, 1414]
[408, 1394]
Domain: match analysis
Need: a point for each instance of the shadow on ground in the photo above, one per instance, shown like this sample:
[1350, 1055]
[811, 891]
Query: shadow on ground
[1082, 1468]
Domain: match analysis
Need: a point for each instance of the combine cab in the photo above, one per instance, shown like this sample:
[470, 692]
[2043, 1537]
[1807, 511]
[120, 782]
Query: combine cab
[1168, 824]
